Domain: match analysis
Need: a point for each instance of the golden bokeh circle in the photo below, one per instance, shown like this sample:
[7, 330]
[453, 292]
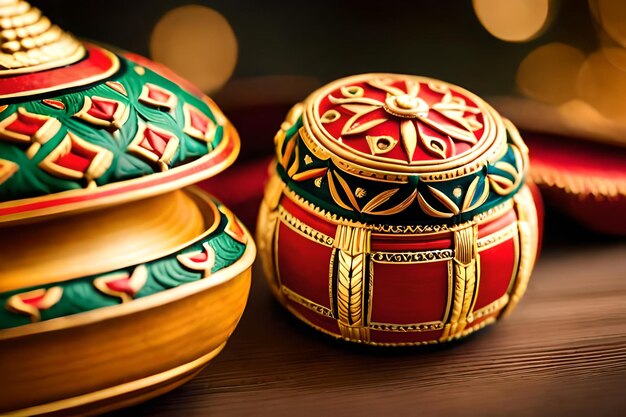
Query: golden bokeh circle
[611, 15]
[513, 20]
[198, 43]
[603, 85]
[550, 73]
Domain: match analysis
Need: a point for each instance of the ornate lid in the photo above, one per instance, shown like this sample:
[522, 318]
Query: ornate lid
[401, 145]
[83, 127]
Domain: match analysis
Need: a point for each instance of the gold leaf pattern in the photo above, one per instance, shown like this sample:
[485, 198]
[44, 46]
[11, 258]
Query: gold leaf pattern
[296, 163]
[409, 138]
[433, 144]
[311, 173]
[348, 191]
[381, 198]
[334, 193]
[444, 199]
[400, 207]
[354, 128]
[430, 210]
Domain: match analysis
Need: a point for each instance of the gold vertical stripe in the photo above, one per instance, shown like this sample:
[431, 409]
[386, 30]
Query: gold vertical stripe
[352, 246]
[465, 280]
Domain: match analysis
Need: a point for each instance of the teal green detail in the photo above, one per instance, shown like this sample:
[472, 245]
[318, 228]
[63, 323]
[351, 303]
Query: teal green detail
[31, 181]
[81, 295]
[413, 214]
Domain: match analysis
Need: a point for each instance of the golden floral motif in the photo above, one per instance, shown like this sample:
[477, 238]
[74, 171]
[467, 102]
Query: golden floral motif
[413, 114]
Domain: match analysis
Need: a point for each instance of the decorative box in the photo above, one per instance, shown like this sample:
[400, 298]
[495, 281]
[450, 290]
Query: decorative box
[115, 286]
[397, 212]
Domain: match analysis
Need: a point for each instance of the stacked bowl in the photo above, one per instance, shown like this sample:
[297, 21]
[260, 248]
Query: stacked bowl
[116, 284]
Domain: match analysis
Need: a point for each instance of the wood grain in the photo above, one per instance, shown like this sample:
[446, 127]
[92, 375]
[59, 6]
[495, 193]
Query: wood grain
[562, 352]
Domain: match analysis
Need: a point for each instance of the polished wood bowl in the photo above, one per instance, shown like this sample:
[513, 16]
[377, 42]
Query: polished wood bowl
[122, 354]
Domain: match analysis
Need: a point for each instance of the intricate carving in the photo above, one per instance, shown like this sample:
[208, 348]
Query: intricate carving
[159, 97]
[353, 248]
[155, 145]
[122, 284]
[422, 119]
[103, 112]
[29, 128]
[466, 277]
[303, 229]
[32, 302]
[30, 42]
[412, 257]
[199, 260]
[75, 158]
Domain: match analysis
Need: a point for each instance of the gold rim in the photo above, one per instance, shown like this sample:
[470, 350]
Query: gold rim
[325, 146]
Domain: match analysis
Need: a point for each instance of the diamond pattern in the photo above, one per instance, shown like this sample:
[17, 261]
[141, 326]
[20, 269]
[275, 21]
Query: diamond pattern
[29, 128]
[155, 96]
[75, 158]
[198, 125]
[155, 145]
[104, 112]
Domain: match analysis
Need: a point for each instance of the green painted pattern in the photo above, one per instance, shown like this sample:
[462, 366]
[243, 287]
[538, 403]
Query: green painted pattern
[81, 295]
[31, 181]
[413, 214]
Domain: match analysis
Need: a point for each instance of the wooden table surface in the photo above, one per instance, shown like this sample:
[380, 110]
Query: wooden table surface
[562, 353]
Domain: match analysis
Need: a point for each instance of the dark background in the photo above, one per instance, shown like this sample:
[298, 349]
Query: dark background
[327, 39]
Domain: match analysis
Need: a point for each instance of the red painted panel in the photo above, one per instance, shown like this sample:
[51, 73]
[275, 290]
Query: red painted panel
[409, 293]
[303, 265]
[496, 268]
[318, 223]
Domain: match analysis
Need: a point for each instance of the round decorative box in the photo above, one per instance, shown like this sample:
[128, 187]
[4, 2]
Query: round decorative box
[397, 212]
[115, 286]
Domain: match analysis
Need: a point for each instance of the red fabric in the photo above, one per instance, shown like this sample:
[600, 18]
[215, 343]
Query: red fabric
[580, 162]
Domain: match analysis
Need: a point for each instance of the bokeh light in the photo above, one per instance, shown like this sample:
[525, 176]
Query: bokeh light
[550, 72]
[198, 43]
[611, 15]
[513, 20]
[603, 85]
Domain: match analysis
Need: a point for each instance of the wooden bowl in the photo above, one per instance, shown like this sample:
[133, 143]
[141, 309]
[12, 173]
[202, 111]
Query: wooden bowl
[115, 338]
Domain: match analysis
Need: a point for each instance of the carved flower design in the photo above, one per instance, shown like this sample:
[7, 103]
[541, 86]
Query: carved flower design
[420, 114]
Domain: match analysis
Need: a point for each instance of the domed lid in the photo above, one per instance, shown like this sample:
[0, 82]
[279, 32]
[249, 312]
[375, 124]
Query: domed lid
[410, 147]
[82, 127]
